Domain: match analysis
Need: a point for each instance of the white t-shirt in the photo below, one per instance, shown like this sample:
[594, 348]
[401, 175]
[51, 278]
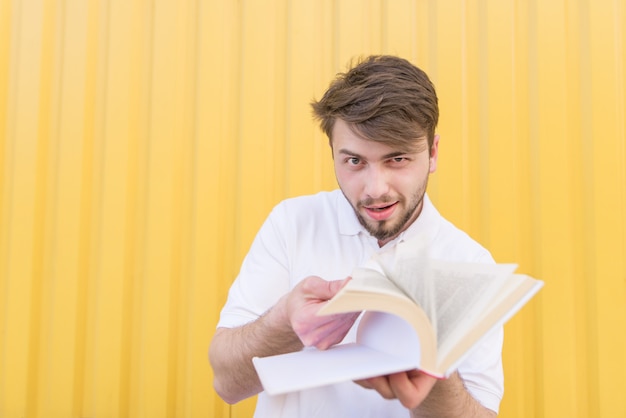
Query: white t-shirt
[319, 235]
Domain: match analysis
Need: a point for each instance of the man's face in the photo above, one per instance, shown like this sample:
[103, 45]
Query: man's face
[384, 185]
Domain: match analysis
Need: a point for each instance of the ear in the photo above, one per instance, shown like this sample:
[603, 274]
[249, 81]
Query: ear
[434, 153]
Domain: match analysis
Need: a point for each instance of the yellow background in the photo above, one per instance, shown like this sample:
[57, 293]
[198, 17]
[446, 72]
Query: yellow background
[143, 142]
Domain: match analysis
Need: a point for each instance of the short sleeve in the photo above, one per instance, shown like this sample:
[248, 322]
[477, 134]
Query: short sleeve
[482, 371]
[263, 277]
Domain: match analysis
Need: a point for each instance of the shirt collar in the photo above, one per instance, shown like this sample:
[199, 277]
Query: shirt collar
[426, 225]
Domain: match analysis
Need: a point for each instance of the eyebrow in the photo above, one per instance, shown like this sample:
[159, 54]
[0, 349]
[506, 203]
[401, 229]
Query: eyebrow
[394, 154]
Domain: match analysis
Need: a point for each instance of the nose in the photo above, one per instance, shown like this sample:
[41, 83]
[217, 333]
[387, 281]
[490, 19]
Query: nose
[376, 184]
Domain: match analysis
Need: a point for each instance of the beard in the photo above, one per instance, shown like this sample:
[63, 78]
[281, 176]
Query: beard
[388, 229]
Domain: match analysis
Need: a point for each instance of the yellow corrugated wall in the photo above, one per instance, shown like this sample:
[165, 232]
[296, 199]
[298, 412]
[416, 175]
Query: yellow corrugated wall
[142, 143]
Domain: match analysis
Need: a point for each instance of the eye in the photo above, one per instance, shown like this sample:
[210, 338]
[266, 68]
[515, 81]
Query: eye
[398, 161]
[353, 160]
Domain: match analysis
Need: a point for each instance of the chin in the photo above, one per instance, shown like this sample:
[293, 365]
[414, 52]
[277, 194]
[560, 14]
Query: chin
[383, 234]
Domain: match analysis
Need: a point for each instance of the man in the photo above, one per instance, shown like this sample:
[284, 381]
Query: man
[380, 118]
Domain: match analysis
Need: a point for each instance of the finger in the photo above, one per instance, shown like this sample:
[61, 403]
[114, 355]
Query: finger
[380, 384]
[323, 334]
[304, 322]
[335, 336]
[411, 388]
[324, 289]
[364, 383]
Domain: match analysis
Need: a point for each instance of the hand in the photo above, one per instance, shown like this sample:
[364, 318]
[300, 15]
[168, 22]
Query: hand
[410, 387]
[303, 303]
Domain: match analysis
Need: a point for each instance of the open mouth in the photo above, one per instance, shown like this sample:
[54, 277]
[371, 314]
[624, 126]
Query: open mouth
[380, 213]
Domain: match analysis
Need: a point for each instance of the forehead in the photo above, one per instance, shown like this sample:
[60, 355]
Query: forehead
[348, 140]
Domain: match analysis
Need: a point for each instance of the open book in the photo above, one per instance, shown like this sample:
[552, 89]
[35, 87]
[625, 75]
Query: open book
[420, 313]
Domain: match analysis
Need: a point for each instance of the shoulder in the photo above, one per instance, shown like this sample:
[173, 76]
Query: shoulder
[316, 222]
[457, 244]
[452, 243]
[317, 200]
[323, 205]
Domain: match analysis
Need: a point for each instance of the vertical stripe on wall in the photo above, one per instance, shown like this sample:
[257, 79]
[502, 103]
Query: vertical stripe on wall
[143, 143]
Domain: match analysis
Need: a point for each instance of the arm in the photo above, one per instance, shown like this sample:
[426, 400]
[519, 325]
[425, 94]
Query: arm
[450, 398]
[426, 396]
[282, 329]
[232, 349]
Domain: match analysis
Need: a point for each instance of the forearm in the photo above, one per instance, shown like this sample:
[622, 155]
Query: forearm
[231, 353]
[450, 399]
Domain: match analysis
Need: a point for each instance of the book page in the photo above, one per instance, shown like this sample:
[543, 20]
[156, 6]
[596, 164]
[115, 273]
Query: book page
[463, 291]
[369, 280]
[518, 290]
[451, 294]
[370, 291]
[376, 353]
[407, 266]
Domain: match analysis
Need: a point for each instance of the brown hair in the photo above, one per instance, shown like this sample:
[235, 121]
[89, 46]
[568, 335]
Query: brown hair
[382, 98]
